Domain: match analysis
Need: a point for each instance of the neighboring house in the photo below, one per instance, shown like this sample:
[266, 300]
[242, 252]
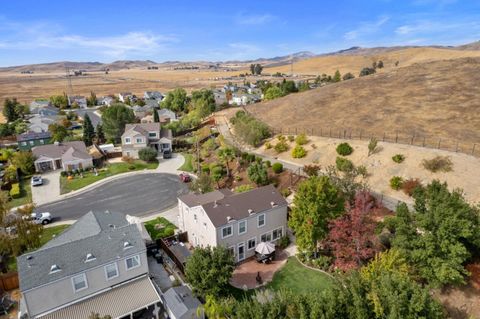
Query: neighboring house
[238, 221]
[138, 136]
[39, 123]
[244, 99]
[153, 95]
[122, 97]
[67, 156]
[180, 303]
[166, 113]
[147, 119]
[43, 108]
[31, 139]
[80, 100]
[140, 111]
[99, 265]
[106, 100]
[220, 97]
[152, 104]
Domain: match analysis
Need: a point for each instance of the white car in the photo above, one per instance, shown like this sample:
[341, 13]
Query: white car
[37, 181]
[41, 218]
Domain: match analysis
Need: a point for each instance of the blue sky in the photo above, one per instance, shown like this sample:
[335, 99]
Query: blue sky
[46, 31]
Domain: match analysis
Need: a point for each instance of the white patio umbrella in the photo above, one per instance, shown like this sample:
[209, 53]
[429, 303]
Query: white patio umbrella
[265, 248]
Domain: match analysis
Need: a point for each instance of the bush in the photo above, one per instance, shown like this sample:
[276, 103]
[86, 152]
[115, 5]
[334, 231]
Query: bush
[286, 192]
[396, 182]
[322, 262]
[249, 129]
[243, 188]
[299, 152]
[410, 185]
[281, 147]
[268, 145]
[268, 163]
[362, 170]
[277, 168]
[398, 158]
[147, 154]
[438, 164]
[131, 167]
[283, 242]
[281, 138]
[291, 138]
[301, 139]
[128, 159]
[250, 157]
[63, 173]
[344, 149]
[343, 164]
[205, 168]
[312, 170]
[15, 190]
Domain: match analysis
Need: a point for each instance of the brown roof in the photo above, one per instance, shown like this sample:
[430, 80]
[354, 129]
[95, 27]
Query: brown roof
[220, 204]
[75, 149]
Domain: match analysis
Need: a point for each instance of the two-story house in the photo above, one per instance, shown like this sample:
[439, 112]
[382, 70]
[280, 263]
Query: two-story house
[99, 265]
[141, 135]
[28, 140]
[238, 221]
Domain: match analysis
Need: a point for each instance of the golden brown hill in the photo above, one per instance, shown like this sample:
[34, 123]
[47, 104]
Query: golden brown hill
[435, 100]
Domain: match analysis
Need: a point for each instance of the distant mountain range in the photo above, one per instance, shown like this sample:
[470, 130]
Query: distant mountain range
[269, 62]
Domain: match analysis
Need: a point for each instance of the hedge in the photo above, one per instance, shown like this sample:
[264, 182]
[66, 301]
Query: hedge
[15, 191]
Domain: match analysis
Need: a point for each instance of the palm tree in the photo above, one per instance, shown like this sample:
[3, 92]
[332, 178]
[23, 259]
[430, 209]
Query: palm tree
[226, 154]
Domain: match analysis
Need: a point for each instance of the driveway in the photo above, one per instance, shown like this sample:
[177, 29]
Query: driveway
[49, 191]
[136, 195]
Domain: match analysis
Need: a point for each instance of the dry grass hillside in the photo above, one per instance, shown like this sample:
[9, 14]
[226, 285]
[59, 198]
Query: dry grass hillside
[354, 63]
[438, 99]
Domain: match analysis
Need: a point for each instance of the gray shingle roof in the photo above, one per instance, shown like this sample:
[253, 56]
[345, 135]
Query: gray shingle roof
[57, 150]
[28, 136]
[235, 205]
[181, 302]
[101, 234]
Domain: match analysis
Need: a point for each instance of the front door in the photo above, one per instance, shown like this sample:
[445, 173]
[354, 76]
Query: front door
[241, 251]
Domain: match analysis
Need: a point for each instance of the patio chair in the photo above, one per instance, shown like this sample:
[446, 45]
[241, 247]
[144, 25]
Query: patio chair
[6, 304]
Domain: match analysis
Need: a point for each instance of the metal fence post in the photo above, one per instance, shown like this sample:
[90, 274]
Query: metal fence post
[473, 149]
[439, 141]
[456, 148]
[423, 142]
[361, 131]
[384, 136]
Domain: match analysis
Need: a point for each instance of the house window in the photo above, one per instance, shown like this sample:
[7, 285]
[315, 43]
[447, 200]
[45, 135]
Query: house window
[132, 262]
[266, 237]
[231, 250]
[152, 134]
[195, 217]
[205, 225]
[277, 233]
[261, 220]
[242, 227]
[24, 143]
[139, 140]
[227, 231]
[111, 271]
[128, 140]
[79, 282]
[241, 251]
[42, 142]
[32, 143]
[252, 243]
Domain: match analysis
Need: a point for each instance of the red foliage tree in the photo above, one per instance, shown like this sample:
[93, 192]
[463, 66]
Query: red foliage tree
[352, 236]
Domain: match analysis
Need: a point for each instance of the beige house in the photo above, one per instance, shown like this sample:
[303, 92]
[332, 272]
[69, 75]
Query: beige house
[142, 135]
[67, 156]
[238, 221]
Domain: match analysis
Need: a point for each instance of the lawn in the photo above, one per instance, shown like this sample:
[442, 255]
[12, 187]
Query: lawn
[88, 178]
[188, 165]
[161, 232]
[25, 193]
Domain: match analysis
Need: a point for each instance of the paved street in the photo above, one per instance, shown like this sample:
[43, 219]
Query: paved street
[91, 113]
[136, 195]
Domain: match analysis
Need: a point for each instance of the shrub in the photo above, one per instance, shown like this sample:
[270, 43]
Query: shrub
[313, 146]
[205, 168]
[396, 182]
[291, 138]
[243, 188]
[322, 262]
[258, 159]
[286, 192]
[268, 163]
[410, 185]
[147, 154]
[63, 173]
[238, 178]
[283, 242]
[299, 152]
[438, 164]
[281, 147]
[277, 168]
[268, 145]
[344, 149]
[398, 158]
[362, 170]
[343, 164]
[372, 146]
[131, 167]
[301, 139]
[312, 170]
[15, 190]
[128, 159]
[281, 138]
[249, 129]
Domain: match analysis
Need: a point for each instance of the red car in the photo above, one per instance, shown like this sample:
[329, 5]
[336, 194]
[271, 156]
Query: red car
[184, 177]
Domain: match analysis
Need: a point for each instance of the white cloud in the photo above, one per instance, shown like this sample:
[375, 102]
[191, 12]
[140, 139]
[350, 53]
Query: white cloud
[248, 19]
[366, 28]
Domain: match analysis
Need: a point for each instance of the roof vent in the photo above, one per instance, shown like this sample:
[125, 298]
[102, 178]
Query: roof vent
[127, 245]
[90, 257]
[273, 204]
[54, 268]
[29, 257]
[107, 212]
[250, 211]
[228, 218]
[215, 204]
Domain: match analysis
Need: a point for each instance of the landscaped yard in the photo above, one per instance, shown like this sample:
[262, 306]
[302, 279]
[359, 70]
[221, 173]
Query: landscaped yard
[188, 165]
[109, 170]
[160, 228]
[25, 193]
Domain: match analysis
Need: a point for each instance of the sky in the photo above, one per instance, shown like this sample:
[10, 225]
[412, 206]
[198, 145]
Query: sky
[39, 31]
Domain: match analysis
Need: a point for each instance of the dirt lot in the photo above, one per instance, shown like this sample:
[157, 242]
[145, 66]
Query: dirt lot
[381, 167]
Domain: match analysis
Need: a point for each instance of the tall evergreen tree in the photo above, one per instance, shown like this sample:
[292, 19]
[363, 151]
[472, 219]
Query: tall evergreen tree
[100, 136]
[88, 131]
[156, 118]
[9, 110]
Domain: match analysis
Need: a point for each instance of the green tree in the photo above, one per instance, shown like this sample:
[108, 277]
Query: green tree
[316, 203]
[256, 69]
[380, 64]
[114, 119]
[203, 184]
[204, 102]
[176, 100]
[88, 131]
[147, 154]
[100, 137]
[226, 154]
[9, 109]
[60, 101]
[217, 174]
[273, 93]
[257, 173]
[372, 146]
[440, 236]
[156, 117]
[348, 76]
[24, 161]
[337, 76]
[92, 100]
[209, 270]
[59, 132]
[22, 110]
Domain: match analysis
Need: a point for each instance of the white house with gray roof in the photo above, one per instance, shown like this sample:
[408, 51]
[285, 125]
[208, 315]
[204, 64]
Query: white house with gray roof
[99, 264]
[238, 221]
[66, 155]
[142, 135]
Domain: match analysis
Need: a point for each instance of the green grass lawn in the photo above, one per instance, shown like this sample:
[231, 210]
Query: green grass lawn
[188, 165]
[88, 178]
[25, 193]
[167, 230]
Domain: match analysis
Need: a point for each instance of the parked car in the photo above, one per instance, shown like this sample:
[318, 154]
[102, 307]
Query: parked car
[167, 154]
[184, 177]
[37, 181]
[41, 218]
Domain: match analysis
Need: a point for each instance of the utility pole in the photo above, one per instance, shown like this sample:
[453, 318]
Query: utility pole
[69, 81]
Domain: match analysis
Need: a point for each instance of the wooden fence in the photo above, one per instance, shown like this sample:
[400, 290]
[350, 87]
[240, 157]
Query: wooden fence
[162, 243]
[9, 281]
